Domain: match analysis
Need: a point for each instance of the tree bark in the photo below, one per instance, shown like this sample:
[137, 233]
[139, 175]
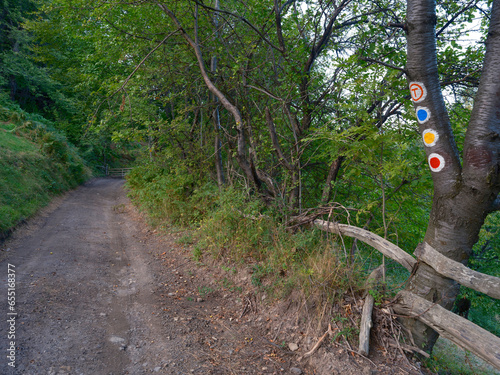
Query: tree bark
[332, 177]
[462, 197]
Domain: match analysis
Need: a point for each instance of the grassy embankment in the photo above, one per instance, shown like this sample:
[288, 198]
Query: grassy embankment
[235, 226]
[36, 164]
[241, 232]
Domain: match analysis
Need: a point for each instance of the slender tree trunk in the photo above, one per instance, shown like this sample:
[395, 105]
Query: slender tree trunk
[332, 177]
[241, 157]
[13, 88]
[462, 196]
[218, 156]
[216, 118]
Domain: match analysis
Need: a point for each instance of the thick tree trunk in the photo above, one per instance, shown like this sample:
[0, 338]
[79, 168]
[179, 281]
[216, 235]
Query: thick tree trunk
[462, 197]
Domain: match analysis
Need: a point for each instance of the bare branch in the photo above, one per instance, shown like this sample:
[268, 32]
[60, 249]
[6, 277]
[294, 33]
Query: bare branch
[325, 38]
[403, 26]
[385, 64]
[284, 5]
[279, 30]
[468, 78]
[485, 13]
[467, 7]
[274, 139]
[241, 19]
[265, 92]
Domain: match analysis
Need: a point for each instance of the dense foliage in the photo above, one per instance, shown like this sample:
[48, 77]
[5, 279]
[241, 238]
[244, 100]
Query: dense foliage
[318, 86]
[288, 106]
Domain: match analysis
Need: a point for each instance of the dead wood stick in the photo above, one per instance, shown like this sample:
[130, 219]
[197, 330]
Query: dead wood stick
[318, 344]
[366, 325]
[409, 348]
[366, 317]
[354, 352]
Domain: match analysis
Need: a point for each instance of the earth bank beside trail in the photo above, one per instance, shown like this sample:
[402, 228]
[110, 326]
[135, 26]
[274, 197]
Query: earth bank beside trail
[99, 292]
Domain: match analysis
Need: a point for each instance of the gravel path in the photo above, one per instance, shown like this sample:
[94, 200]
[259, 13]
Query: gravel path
[96, 291]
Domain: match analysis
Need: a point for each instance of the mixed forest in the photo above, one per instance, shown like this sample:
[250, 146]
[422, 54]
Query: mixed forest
[243, 118]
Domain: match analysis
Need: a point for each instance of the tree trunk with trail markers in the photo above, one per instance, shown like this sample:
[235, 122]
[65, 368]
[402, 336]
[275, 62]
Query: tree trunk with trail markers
[463, 195]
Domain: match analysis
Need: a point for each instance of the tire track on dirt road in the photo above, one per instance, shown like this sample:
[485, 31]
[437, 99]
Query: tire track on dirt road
[75, 286]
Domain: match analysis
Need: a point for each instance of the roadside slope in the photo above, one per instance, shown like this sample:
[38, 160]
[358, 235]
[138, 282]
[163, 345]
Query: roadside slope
[36, 164]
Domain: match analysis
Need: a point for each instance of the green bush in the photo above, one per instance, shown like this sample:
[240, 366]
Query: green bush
[170, 194]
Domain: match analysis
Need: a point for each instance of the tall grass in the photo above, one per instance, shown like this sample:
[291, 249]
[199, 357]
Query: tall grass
[235, 224]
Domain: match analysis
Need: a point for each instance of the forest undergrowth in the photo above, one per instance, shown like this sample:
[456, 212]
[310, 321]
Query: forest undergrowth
[36, 164]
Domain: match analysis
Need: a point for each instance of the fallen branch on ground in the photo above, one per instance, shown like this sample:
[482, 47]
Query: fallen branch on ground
[318, 344]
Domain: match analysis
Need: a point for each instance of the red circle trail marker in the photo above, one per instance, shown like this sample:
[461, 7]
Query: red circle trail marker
[436, 162]
[418, 91]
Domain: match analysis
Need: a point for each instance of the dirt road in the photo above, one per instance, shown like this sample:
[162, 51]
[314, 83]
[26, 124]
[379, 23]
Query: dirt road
[89, 288]
[96, 292]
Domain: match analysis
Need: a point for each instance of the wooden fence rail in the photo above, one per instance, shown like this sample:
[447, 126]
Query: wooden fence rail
[478, 281]
[118, 172]
[385, 247]
[457, 329]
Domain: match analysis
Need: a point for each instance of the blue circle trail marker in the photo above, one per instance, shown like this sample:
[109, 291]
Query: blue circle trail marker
[423, 114]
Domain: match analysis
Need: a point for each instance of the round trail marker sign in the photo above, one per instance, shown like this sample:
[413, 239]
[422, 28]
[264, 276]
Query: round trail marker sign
[418, 91]
[436, 162]
[430, 137]
[423, 114]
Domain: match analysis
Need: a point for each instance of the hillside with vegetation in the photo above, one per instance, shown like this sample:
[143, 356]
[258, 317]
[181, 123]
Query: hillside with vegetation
[251, 119]
[36, 164]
